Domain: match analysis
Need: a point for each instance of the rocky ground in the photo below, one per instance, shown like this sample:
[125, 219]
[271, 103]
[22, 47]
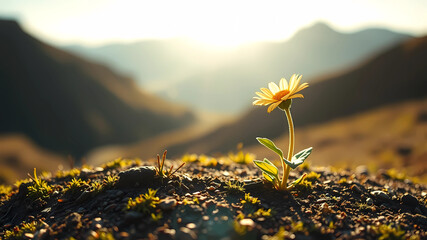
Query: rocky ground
[211, 199]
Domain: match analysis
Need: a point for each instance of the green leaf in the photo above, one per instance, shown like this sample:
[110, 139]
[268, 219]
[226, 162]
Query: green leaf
[269, 177]
[267, 167]
[270, 145]
[299, 158]
[298, 180]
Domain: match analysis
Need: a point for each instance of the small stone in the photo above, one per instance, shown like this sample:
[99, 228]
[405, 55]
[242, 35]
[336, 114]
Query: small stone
[29, 235]
[132, 217]
[186, 234]
[325, 208]
[74, 220]
[167, 204]
[191, 226]
[247, 222]
[362, 170]
[369, 201]
[380, 195]
[84, 196]
[137, 176]
[409, 200]
[211, 188]
[321, 200]
[124, 234]
[356, 188]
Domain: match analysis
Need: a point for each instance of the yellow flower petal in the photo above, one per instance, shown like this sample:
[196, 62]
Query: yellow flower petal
[302, 86]
[267, 92]
[262, 95]
[283, 84]
[273, 87]
[298, 95]
[273, 106]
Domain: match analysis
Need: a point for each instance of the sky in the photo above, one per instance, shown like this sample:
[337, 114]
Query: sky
[217, 22]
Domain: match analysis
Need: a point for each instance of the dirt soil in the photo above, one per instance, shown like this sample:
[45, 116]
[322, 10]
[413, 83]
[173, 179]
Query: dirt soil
[208, 202]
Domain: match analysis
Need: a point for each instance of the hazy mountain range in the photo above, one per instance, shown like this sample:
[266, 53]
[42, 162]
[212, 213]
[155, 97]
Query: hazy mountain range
[396, 75]
[223, 80]
[70, 105]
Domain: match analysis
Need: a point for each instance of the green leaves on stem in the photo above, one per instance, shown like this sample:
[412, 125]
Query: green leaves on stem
[270, 171]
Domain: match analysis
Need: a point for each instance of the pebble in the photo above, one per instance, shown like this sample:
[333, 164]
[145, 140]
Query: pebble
[167, 204]
[409, 200]
[132, 217]
[369, 201]
[325, 208]
[321, 200]
[362, 170]
[191, 226]
[186, 234]
[29, 235]
[356, 188]
[247, 222]
[74, 220]
[137, 176]
[380, 195]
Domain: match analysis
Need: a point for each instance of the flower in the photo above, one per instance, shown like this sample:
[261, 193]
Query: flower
[275, 95]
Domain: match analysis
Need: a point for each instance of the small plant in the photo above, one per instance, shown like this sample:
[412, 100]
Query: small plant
[144, 203]
[96, 187]
[240, 156]
[75, 185]
[74, 172]
[110, 181]
[303, 186]
[39, 189]
[18, 231]
[261, 213]
[312, 176]
[235, 187]
[250, 200]
[281, 97]
[5, 190]
[388, 232]
[282, 234]
[117, 163]
[19, 182]
[396, 175]
[164, 173]
[342, 180]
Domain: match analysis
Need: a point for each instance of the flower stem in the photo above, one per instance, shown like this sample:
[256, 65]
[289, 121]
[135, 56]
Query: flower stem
[286, 170]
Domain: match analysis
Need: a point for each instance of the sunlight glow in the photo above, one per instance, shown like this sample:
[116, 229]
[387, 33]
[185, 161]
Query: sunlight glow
[218, 23]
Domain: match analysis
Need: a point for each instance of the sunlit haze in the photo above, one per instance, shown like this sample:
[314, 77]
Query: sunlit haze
[220, 23]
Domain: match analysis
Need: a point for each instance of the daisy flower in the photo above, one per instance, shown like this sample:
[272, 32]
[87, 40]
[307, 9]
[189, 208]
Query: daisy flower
[275, 95]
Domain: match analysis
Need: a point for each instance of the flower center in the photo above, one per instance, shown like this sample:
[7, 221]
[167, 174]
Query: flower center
[278, 96]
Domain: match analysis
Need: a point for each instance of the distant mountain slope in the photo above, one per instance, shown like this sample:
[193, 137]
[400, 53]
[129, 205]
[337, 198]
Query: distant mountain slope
[70, 105]
[396, 75]
[208, 78]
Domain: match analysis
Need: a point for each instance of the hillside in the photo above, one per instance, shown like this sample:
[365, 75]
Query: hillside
[210, 84]
[127, 199]
[396, 75]
[70, 105]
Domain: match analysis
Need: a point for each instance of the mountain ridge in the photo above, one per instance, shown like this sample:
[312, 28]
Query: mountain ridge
[209, 84]
[397, 74]
[71, 105]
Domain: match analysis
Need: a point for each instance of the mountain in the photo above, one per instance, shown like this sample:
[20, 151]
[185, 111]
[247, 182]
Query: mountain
[70, 105]
[396, 75]
[221, 80]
